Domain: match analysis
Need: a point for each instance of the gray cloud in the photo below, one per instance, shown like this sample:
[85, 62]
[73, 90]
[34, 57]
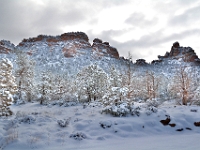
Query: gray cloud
[139, 20]
[189, 17]
[138, 47]
[25, 18]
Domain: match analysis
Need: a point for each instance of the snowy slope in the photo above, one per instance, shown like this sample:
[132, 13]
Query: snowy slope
[36, 127]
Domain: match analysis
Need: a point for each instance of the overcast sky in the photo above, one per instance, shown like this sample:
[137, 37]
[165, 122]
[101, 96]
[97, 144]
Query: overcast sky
[146, 28]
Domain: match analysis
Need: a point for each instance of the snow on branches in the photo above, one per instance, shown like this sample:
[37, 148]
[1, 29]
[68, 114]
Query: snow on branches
[7, 87]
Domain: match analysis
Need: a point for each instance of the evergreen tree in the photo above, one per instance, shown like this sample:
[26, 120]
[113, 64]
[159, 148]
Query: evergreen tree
[7, 87]
[92, 82]
[24, 75]
[45, 87]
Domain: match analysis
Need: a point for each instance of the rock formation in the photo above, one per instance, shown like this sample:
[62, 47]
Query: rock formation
[187, 54]
[104, 49]
[141, 62]
[6, 47]
[72, 44]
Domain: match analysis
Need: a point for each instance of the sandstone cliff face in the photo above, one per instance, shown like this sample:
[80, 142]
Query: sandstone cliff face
[104, 49]
[71, 44]
[6, 47]
[187, 54]
[141, 62]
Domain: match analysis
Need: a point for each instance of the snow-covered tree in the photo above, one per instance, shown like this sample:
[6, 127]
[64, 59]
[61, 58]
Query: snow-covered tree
[128, 76]
[115, 78]
[182, 84]
[152, 83]
[7, 87]
[61, 86]
[45, 87]
[92, 82]
[24, 75]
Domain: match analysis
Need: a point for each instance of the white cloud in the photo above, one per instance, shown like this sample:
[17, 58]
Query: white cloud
[146, 28]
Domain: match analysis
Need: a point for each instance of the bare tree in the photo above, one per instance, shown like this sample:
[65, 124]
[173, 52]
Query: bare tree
[128, 77]
[182, 83]
[151, 84]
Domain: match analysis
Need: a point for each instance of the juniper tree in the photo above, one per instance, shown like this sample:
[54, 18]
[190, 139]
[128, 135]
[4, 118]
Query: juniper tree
[92, 82]
[7, 87]
[45, 87]
[24, 75]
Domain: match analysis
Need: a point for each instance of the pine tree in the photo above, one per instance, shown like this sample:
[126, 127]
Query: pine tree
[24, 75]
[61, 87]
[7, 87]
[115, 78]
[45, 87]
[92, 82]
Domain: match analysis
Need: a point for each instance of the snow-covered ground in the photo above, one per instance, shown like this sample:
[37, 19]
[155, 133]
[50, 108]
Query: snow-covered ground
[34, 126]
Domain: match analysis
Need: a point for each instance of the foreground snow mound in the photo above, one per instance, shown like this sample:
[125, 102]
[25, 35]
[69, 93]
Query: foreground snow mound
[35, 126]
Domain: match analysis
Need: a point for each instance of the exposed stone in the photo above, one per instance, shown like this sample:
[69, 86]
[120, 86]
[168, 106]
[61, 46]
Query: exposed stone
[176, 44]
[141, 62]
[74, 35]
[172, 124]
[6, 47]
[166, 121]
[101, 48]
[174, 50]
[186, 53]
[96, 40]
[187, 128]
[72, 44]
[106, 43]
[155, 62]
[62, 37]
[181, 129]
[197, 124]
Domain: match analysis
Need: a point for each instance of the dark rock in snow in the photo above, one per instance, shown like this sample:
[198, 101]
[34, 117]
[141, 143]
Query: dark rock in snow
[187, 128]
[197, 124]
[181, 129]
[166, 121]
[172, 124]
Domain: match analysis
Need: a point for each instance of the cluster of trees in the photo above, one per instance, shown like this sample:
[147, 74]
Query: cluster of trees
[93, 83]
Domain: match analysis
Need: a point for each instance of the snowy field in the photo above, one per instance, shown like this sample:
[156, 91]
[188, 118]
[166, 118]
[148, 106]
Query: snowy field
[34, 126]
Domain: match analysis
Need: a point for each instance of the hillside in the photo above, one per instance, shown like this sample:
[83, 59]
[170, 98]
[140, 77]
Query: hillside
[72, 94]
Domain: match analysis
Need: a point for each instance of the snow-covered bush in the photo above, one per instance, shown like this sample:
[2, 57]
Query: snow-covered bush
[115, 96]
[150, 110]
[63, 103]
[7, 87]
[152, 103]
[117, 110]
[63, 123]
[26, 119]
[18, 101]
[135, 110]
[105, 124]
[78, 136]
